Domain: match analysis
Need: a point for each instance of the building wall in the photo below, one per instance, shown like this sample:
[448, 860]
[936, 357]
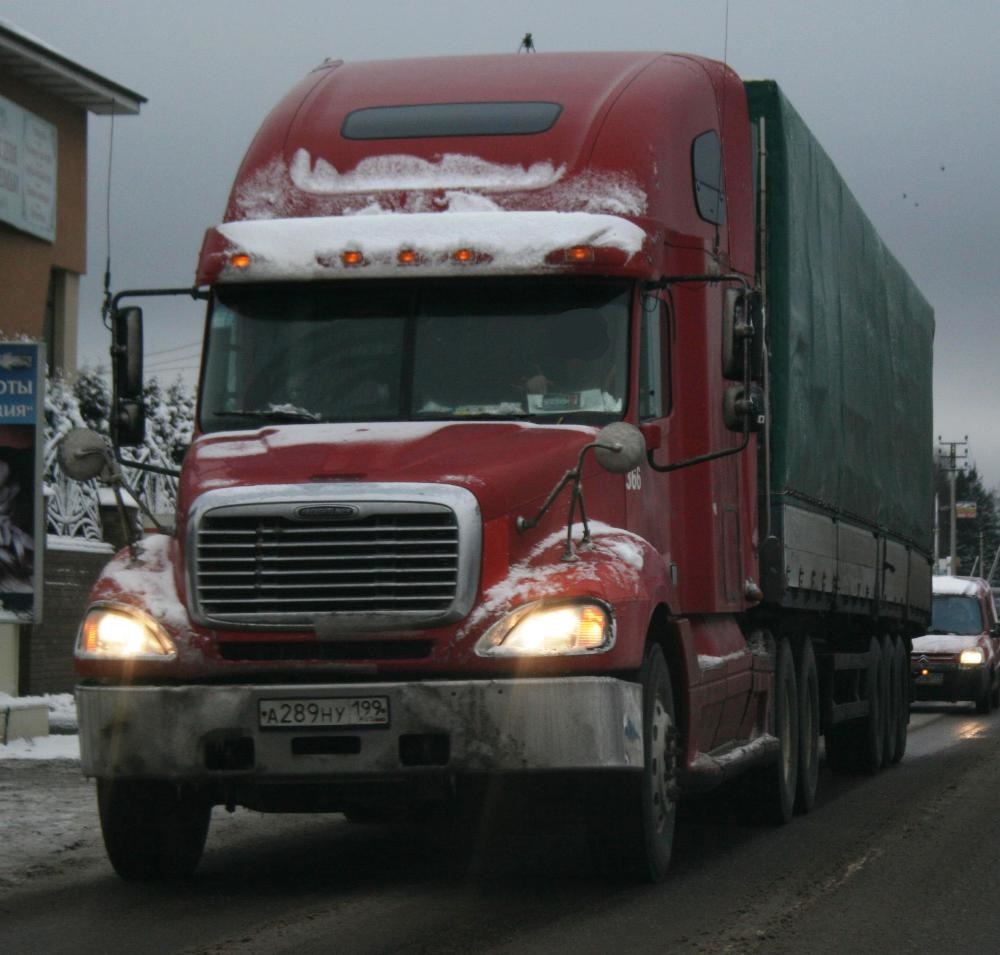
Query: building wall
[47, 648]
[26, 262]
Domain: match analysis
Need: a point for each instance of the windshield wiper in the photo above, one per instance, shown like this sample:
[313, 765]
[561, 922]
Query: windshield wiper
[272, 414]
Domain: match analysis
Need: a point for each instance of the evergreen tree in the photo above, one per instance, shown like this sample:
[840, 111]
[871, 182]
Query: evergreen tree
[94, 399]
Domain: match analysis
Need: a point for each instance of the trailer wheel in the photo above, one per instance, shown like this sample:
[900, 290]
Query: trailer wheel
[903, 713]
[807, 679]
[772, 788]
[873, 725]
[151, 830]
[890, 698]
[631, 822]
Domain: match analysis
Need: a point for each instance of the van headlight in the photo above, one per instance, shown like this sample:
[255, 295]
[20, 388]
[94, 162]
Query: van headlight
[114, 633]
[972, 657]
[546, 628]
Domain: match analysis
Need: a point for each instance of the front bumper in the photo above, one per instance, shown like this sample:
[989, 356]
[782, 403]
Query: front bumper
[950, 683]
[199, 733]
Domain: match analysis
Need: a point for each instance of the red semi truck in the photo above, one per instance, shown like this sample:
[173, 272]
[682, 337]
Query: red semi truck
[562, 417]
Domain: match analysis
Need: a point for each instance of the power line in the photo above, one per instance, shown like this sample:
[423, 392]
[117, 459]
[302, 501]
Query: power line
[165, 351]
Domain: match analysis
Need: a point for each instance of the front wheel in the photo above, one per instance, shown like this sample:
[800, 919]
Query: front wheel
[982, 699]
[632, 827]
[152, 830]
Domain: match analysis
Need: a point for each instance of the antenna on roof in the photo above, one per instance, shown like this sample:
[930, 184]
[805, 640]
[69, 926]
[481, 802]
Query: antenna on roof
[527, 44]
[722, 123]
[106, 304]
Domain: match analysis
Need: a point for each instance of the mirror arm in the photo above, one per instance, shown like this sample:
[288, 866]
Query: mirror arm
[572, 476]
[701, 459]
[142, 466]
[194, 291]
[667, 280]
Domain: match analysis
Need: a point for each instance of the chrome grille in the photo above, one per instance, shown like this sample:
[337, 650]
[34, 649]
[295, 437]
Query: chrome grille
[313, 561]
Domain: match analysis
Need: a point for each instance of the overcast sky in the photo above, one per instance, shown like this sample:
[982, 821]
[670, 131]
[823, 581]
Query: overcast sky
[903, 94]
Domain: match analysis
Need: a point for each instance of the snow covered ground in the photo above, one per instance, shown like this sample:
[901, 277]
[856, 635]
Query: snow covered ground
[48, 824]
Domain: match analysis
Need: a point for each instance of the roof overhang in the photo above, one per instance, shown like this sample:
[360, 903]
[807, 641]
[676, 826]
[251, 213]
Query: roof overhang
[38, 65]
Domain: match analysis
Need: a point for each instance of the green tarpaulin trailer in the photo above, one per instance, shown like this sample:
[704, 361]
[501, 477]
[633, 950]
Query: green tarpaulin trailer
[850, 342]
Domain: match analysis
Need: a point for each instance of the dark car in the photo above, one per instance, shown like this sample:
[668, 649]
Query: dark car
[959, 658]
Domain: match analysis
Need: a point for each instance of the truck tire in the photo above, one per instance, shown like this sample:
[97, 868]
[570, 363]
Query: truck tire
[982, 699]
[631, 822]
[807, 679]
[872, 726]
[152, 830]
[856, 745]
[772, 789]
[903, 684]
[890, 698]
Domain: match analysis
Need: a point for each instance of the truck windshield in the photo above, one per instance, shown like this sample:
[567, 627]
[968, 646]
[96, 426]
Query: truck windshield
[457, 349]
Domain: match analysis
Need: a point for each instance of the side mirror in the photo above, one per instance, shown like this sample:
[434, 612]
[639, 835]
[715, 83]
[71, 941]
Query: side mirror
[83, 455]
[742, 328]
[128, 415]
[620, 447]
[740, 408]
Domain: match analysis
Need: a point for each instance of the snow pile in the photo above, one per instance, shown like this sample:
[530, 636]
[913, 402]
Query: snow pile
[64, 744]
[44, 747]
[706, 662]
[957, 586]
[411, 184]
[406, 173]
[310, 248]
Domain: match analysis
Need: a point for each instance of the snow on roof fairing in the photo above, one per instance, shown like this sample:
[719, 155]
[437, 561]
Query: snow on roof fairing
[310, 248]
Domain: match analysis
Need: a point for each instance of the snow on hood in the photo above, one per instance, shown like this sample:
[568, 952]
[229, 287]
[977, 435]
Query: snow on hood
[150, 577]
[545, 577]
[957, 586]
[944, 643]
[310, 248]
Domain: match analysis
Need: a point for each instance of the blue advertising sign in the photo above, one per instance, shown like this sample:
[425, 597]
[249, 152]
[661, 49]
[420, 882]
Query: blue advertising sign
[22, 449]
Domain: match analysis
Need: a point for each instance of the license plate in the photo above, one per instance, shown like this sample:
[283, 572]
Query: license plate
[931, 679]
[323, 712]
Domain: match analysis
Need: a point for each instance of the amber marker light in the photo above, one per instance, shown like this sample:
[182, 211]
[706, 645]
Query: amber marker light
[463, 255]
[352, 257]
[580, 253]
[406, 257]
[240, 260]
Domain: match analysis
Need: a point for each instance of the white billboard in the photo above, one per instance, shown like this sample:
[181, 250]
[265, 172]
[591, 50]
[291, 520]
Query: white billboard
[29, 149]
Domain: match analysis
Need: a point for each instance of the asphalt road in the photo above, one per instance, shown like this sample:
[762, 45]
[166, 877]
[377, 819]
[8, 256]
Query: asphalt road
[908, 861]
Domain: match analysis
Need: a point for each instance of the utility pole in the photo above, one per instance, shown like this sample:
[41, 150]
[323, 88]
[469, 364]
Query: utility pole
[950, 462]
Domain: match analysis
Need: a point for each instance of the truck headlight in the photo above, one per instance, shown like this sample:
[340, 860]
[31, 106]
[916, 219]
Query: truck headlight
[972, 657]
[550, 629]
[114, 633]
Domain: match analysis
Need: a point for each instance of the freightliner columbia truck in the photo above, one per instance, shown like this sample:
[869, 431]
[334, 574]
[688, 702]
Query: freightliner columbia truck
[562, 418]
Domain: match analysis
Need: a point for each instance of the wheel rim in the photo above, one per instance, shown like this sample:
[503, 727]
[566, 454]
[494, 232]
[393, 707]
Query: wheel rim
[787, 756]
[661, 776]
